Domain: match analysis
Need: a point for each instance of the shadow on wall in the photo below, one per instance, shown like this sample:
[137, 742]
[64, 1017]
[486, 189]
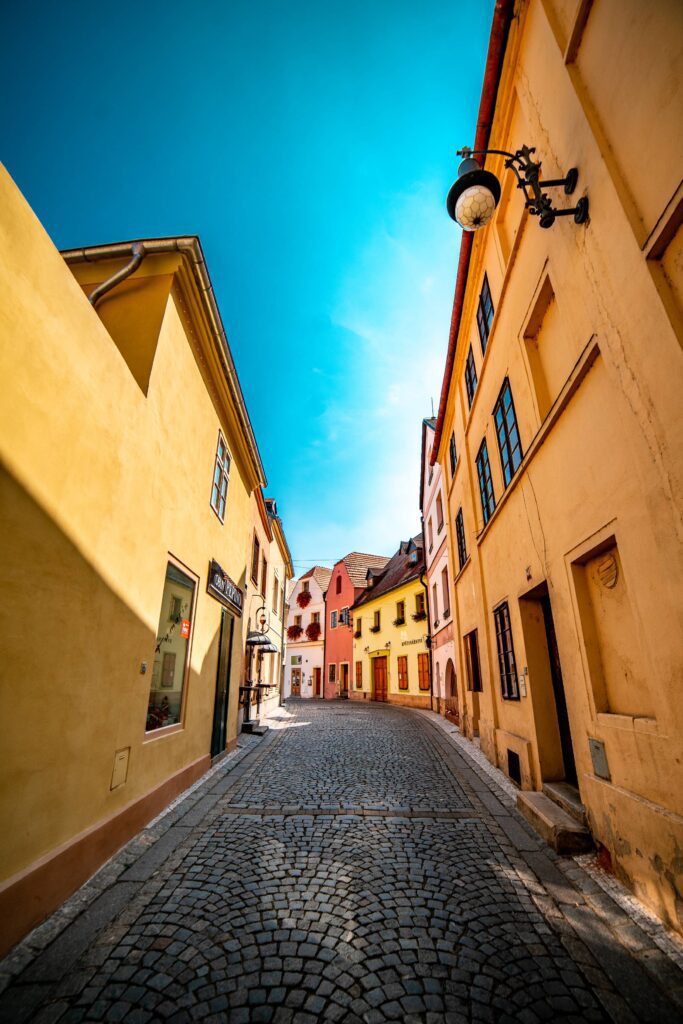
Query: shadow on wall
[71, 696]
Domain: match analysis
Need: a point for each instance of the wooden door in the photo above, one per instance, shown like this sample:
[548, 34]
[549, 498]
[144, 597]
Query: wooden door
[379, 678]
[318, 677]
[296, 682]
[344, 679]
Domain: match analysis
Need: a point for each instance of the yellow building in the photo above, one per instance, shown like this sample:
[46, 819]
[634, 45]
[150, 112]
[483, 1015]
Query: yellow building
[390, 630]
[129, 474]
[559, 433]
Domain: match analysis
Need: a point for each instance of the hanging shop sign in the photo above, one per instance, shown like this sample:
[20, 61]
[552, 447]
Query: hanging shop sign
[220, 586]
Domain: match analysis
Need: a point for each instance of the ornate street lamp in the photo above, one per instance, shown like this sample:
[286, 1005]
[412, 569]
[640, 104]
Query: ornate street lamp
[474, 195]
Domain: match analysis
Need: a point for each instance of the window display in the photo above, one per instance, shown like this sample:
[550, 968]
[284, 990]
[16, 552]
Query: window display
[171, 650]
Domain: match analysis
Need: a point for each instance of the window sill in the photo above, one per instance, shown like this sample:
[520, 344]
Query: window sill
[165, 730]
[461, 571]
[629, 723]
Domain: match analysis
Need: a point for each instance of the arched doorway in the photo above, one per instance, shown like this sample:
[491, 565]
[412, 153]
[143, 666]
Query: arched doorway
[451, 708]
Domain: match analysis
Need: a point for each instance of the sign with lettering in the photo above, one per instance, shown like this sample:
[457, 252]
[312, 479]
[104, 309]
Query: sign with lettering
[185, 628]
[220, 586]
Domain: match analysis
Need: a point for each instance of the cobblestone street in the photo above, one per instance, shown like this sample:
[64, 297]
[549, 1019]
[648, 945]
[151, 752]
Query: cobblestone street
[350, 866]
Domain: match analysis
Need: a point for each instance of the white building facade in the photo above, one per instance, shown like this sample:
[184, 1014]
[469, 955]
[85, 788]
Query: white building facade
[305, 649]
[439, 574]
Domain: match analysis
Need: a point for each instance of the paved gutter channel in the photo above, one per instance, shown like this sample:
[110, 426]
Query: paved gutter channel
[599, 935]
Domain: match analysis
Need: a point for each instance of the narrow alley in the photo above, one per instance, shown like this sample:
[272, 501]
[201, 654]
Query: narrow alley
[354, 864]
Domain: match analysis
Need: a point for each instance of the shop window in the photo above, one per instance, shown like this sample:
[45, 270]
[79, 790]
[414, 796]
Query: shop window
[506, 653]
[488, 502]
[484, 314]
[255, 559]
[507, 433]
[453, 454]
[221, 473]
[359, 675]
[402, 672]
[470, 377]
[460, 536]
[423, 671]
[171, 652]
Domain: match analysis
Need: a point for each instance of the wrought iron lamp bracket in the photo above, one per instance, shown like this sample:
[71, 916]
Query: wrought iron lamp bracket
[527, 172]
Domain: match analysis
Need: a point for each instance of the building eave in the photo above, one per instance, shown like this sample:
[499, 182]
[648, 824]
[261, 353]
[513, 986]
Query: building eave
[189, 248]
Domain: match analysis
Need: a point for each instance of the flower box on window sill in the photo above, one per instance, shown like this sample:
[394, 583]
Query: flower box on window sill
[313, 631]
[419, 616]
[357, 634]
[374, 629]
[294, 632]
[303, 599]
[399, 622]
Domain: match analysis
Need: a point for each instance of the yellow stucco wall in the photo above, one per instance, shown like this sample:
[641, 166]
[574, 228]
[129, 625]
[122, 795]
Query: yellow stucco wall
[391, 641]
[587, 330]
[101, 481]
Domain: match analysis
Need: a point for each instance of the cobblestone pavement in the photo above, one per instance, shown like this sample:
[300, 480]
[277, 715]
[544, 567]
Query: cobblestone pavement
[356, 867]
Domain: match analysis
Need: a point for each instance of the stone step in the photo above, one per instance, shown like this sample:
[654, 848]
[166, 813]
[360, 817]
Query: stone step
[255, 728]
[558, 828]
[567, 797]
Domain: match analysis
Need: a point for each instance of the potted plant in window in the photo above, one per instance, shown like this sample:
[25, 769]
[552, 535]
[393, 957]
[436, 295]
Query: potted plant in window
[313, 631]
[420, 616]
[303, 598]
[294, 632]
[374, 629]
[400, 621]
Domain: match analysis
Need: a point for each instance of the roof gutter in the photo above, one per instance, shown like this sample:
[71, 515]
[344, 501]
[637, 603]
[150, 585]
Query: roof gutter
[502, 16]
[190, 248]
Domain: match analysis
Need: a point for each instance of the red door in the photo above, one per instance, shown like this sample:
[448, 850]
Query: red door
[379, 677]
[317, 675]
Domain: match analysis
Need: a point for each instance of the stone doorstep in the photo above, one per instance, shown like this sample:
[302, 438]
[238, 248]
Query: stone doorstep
[559, 829]
[567, 797]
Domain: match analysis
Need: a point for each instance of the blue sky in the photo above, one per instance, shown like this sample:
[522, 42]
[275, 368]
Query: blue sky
[310, 146]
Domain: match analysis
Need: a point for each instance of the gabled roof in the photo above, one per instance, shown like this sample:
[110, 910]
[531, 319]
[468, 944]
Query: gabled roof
[197, 277]
[357, 565]
[321, 574]
[399, 570]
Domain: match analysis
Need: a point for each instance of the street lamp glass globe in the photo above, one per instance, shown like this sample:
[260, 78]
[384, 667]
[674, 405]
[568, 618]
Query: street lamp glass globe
[475, 207]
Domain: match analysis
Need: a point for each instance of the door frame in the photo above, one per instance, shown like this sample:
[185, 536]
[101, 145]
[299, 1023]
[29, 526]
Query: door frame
[219, 729]
[373, 658]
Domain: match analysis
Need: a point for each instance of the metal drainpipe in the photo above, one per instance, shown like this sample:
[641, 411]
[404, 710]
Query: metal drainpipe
[429, 619]
[138, 251]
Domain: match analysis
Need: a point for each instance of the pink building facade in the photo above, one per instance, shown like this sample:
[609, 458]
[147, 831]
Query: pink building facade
[347, 583]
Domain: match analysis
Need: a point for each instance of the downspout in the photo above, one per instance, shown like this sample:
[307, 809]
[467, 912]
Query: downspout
[138, 251]
[429, 622]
